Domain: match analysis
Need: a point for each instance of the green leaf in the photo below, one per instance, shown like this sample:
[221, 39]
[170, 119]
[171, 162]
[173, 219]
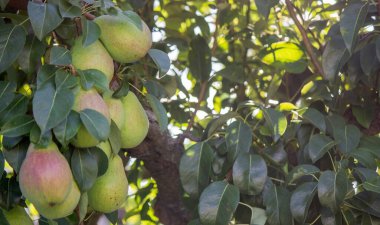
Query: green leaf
[68, 10]
[316, 118]
[17, 126]
[85, 168]
[12, 41]
[264, 6]
[65, 80]
[364, 115]
[51, 106]
[18, 106]
[300, 171]
[95, 123]
[7, 93]
[200, 58]
[368, 63]
[334, 57]
[372, 185]
[101, 160]
[238, 138]
[115, 138]
[83, 206]
[218, 122]
[277, 204]
[44, 18]
[16, 155]
[30, 57]
[348, 216]
[258, 216]
[194, 168]
[348, 138]
[68, 128]
[364, 157]
[39, 138]
[134, 18]
[332, 188]
[46, 75]
[91, 32]
[301, 200]
[3, 219]
[249, 173]
[161, 59]
[159, 111]
[122, 90]
[112, 216]
[276, 122]
[233, 72]
[218, 203]
[371, 144]
[318, 146]
[60, 56]
[93, 77]
[284, 55]
[351, 20]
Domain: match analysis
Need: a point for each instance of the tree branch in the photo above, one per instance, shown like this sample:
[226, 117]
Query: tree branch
[161, 155]
[305, 39]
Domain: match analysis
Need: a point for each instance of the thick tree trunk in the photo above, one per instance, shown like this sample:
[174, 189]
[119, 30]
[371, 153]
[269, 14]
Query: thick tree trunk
[161, 155]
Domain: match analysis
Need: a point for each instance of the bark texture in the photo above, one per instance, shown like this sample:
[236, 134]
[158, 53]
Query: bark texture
[161, 155]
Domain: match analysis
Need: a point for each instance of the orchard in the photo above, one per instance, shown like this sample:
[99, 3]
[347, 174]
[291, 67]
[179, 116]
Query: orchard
[216, 112]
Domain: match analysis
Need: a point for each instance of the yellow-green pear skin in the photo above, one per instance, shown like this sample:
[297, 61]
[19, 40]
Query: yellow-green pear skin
[116, 109]
[17, 216]
[64, 209]
[93, 56]
[136, 123]
[45, 176]
[88, 99]
[111, 189]
[124, 41]
[106, 147]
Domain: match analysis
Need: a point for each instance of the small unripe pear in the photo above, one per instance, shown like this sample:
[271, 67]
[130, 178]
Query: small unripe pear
[17, 216]
[64, 209]
[136, 123]
[125, 41]
[88, 99]
[45, 176]
[93, 56]
[111, 189]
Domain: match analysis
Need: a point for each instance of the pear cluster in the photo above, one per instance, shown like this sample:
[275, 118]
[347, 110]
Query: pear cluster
[45, 177]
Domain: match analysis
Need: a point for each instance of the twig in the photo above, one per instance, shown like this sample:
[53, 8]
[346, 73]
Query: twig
[305, 39]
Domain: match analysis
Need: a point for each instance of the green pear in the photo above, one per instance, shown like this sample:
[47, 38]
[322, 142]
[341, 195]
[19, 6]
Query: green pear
[111, 189]
[88, 99]
[63, 209]
[45, 176]
[106, 147]
[93, 56]
[124, 40]
[116, 109]
[17, 216]
[136, 123]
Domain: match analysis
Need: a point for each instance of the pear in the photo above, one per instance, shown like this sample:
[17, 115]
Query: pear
[125, 41]
[63, 209]
[116, 109]
[17, 216]
[45, 176]
[136, 123]
[111, 189]
[106, 147]
[88, 99]
[93, 56]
